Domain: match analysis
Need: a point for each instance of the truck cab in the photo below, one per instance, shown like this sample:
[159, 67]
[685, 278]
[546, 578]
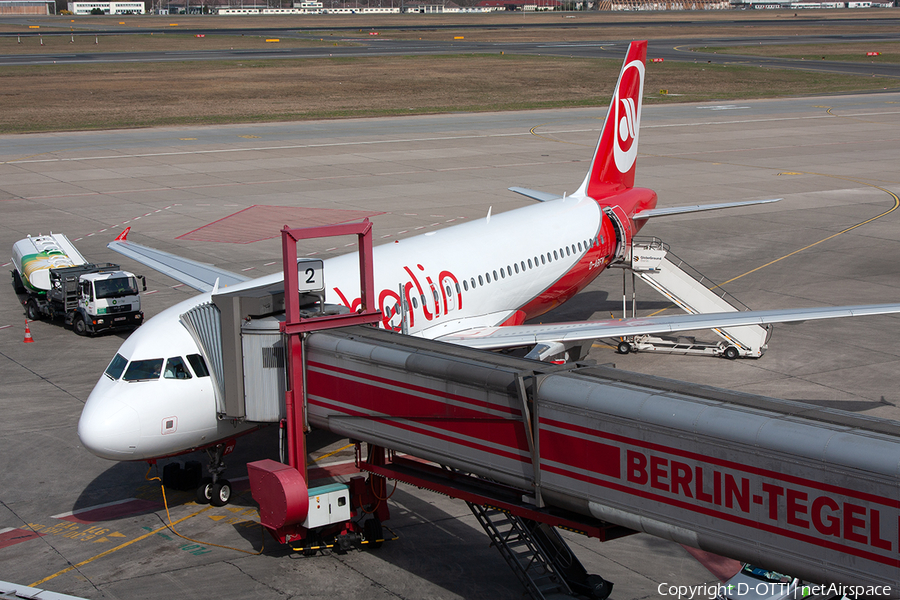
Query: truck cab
[106, 300]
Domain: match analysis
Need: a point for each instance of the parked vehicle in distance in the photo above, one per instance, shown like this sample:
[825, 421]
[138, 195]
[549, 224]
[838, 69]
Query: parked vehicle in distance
[60, 284]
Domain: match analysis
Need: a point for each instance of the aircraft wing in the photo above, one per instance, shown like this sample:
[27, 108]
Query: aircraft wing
[200, 276]
[512, 336]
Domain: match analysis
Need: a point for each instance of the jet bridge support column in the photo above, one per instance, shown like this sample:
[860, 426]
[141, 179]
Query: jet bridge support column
[282, 490]
[294, 327]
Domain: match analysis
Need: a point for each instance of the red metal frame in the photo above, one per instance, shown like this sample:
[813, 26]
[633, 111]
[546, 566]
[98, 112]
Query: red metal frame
[282, 490]
[294, 326]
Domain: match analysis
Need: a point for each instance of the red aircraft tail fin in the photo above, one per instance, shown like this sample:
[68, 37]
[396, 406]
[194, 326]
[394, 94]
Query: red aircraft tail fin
[613, 165]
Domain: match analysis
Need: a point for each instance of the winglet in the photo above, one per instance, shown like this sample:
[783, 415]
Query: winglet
[122, 236]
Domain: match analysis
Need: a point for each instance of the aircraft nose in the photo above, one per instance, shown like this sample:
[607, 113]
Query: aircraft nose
[109, 429]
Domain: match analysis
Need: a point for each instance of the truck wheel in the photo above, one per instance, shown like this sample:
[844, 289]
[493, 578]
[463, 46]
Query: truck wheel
[31, 310]
[623, 348]
[731, 353]
[17, 282]
[79, 326]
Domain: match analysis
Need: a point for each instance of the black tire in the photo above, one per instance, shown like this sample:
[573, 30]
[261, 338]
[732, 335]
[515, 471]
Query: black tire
[17, 283]
[623, 348]
[220, 494]
[31, 310]
[79, 326]
[204, 491]
[731, 353]
[374, 533]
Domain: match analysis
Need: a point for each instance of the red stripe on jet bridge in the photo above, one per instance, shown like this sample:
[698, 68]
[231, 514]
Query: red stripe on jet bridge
[455, 420]
[818, 485]
[581, 453]
[109, 512]
[751, 523]
[391, 422]
[17, 536]
[416, 389]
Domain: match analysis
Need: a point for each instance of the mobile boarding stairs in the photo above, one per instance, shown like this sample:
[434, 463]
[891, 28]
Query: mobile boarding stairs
[650, 260]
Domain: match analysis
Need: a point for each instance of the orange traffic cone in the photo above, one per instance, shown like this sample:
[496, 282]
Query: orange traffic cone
[28, 338]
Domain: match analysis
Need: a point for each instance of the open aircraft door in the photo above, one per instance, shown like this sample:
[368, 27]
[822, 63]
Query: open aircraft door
[624, 232]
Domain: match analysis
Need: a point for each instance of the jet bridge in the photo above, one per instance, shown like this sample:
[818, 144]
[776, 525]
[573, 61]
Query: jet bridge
[531, 446]
[804, 490]
[650, 261]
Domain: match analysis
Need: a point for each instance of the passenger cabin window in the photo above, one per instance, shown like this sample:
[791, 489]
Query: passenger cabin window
[198, 364]
[176, 369]
[116, 367]
[142, 370]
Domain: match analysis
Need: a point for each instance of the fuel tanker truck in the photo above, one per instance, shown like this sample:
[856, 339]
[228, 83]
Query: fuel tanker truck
[59, 283]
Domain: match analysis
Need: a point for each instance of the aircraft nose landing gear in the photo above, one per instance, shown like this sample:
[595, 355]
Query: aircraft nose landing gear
[215, 490]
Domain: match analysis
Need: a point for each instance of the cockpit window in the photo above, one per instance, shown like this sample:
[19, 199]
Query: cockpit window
[198, 364]
[116, 367]
[176, 369]
[140, 370]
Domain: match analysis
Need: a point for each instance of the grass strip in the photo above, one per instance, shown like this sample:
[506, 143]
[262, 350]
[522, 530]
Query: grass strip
[123, 95]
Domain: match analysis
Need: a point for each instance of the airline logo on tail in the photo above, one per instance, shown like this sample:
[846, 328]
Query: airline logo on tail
[613, 166]
[627, 103]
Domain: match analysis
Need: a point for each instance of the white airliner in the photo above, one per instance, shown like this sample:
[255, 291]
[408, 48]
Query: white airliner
[473, 284]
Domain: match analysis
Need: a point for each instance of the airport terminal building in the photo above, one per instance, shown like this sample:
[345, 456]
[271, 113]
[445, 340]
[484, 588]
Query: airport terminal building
[108, 8]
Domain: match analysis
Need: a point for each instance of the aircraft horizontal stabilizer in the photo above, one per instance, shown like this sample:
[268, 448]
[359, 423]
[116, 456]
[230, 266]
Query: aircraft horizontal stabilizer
[513, 336]
[680, 210]
[200, 276]
[535, 194]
